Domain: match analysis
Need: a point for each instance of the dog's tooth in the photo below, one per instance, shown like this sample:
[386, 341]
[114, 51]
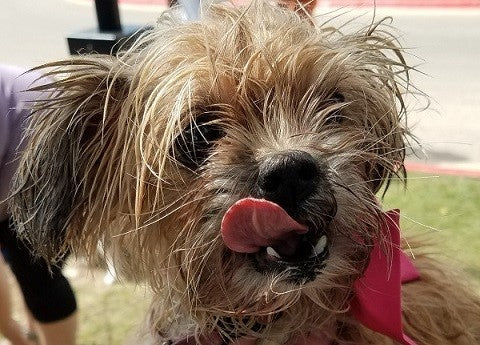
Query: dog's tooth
[320, 246]
[272, 252]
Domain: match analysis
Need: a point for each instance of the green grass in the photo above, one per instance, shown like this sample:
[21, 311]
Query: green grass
[447, 209]
[108, 315]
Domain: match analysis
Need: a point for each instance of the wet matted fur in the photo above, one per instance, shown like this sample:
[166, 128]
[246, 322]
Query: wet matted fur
[146, 152]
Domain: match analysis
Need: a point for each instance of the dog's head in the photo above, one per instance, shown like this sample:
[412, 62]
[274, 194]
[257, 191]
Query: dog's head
[231, 162]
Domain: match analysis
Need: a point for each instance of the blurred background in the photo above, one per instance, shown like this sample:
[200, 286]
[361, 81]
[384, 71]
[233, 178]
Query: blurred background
[442, 196]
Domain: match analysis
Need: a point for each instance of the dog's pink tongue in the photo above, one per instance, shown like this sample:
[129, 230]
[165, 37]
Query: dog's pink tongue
[253, 223]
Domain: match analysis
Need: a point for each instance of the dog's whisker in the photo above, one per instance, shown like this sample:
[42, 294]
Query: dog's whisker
[156, 219]
[426, 226]
[405, 179]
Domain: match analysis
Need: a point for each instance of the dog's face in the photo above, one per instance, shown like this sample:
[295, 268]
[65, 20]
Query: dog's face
[232, 162]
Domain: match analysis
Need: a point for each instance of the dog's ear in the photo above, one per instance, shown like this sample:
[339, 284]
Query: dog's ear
[71, 135]
[389, 77]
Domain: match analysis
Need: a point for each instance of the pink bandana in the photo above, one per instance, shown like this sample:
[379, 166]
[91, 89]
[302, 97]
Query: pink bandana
[377, 300]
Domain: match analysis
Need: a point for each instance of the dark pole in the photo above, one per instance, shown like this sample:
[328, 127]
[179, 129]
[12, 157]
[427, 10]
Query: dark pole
[108, 15]
[110, 35]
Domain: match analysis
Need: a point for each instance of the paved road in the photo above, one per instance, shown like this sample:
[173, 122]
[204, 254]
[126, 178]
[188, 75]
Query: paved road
[33, 32]
[450, 48]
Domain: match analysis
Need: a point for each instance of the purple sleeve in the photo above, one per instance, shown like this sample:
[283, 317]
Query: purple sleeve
[14, 112]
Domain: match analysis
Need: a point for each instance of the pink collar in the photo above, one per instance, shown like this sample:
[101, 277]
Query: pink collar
[377, 294]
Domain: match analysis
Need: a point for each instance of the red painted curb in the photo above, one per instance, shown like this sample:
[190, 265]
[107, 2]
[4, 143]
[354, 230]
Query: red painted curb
[403, 3]
[354, 3]
[435, 169]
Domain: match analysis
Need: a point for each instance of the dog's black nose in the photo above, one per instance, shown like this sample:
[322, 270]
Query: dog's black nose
[288, 178]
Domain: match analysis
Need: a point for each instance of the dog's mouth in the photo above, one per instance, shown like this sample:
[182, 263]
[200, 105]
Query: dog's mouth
[302, 266]
[274, 241]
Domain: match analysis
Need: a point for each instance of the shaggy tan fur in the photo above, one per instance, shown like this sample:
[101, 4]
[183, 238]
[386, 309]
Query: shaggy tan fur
[102, 164]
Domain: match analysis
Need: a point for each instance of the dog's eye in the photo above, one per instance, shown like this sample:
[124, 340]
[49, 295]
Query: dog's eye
[193, 146]
[335, 116]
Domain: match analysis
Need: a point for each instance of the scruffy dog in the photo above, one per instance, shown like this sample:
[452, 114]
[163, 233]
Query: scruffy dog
[232, 163]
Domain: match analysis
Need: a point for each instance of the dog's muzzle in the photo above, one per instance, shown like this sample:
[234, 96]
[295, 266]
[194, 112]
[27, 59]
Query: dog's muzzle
[270, 228]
